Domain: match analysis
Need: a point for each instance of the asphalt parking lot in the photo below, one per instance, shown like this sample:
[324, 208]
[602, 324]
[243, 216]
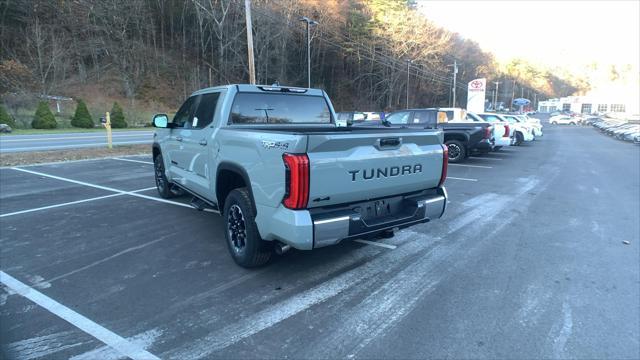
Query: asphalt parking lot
[528, 262]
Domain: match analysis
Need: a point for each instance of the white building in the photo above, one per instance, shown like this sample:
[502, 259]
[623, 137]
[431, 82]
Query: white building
[588, 105]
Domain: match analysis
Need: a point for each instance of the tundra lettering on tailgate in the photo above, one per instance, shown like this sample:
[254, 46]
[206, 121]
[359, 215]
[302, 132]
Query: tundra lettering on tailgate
[368, 174]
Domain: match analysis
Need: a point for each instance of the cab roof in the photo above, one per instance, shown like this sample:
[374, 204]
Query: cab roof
[263, 89]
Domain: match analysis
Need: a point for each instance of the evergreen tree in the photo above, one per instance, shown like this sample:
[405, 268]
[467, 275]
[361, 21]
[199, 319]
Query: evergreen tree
[43, 118]
[82, 117]
[5, 118]
[117, 117]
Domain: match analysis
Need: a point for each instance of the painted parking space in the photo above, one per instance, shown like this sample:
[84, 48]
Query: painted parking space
[157, 276]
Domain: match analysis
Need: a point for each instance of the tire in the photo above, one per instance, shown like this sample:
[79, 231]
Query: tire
[496, 148]
[163, 185]
[519, 138]
[457, 151]
[554, 123]
[572, 123]
[241, 232]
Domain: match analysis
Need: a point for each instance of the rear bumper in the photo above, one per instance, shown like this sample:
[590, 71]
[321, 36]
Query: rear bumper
[330, 228]
[315, 228]
[484, 145]
[503, 141]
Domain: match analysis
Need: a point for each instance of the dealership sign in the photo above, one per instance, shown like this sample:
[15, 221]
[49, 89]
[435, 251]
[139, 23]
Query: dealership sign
[476, 90]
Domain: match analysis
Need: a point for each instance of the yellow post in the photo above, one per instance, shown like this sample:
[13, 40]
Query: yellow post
[107, 125]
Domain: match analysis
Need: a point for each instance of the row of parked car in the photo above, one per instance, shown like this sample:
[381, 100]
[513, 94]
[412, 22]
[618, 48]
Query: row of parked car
[465, 133]
[619, 129]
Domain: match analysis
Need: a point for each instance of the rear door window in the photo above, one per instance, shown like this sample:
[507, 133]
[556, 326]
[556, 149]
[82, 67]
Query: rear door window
[399, 118]
[206, 110]
[424, 117]
[258, 108]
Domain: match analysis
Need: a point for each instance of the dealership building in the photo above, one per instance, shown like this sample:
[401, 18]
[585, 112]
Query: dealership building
[619, 102]
[585, 105]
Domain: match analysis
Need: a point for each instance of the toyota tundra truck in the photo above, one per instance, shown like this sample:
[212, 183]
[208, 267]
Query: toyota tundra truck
[273, 163]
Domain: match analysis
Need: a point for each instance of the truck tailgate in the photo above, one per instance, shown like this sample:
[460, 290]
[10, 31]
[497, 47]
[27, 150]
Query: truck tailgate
[347, 167]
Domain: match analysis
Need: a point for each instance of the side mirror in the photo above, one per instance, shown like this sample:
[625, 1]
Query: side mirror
[161, 121]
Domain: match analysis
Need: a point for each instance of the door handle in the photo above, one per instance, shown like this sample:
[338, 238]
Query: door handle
[178, 138]
[203, 142]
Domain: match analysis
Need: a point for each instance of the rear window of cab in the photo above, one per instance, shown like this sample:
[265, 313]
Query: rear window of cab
[259, 108]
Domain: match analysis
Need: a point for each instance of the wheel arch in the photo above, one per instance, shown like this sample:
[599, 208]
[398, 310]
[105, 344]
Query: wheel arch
[230, 176]
[464, 138]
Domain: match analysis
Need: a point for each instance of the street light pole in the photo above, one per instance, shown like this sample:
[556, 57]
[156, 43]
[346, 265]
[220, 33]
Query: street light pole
[495, 97]
[408, 64]
[455, 74]
[308, 22]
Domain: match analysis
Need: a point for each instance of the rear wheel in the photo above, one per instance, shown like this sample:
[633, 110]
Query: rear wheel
[457, 152]
[554, 123]
[243, 239]
[572, 123]
[519, 138]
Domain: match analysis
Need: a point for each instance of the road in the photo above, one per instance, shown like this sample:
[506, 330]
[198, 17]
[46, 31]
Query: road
[528, 262]
[64, 141]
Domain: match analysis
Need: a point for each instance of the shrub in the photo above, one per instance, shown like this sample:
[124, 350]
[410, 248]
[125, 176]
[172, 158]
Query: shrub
[43, 118]
[5, 118]
[117, 117]
[82, 118]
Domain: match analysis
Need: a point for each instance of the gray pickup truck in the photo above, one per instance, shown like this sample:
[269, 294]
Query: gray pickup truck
[272, 161]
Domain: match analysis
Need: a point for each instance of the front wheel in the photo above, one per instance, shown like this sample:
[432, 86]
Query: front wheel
[457, 151]
[572, 123]
[243, 239]
[554, 123]
[162, 183]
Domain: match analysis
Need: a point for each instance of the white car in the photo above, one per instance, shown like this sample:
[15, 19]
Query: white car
[519, 133]
[501, 131]
[535, 124]
[527, 133]
[562, 120]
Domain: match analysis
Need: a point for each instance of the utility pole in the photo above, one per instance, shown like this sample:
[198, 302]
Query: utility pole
[309, 22]
[495, 99]
[521, 92]
[252, 67]
[408, 64]
[455, 73]
[535, 99]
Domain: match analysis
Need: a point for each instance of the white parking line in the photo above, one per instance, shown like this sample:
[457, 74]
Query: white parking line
[473, 166]
[484, 158]
[135, 161]
[118, 343]
[109, 189]
[387, 246]
[72, 203]
[463, 179]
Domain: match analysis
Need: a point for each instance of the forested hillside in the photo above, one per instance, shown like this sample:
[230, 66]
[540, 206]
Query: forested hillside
[158, 51]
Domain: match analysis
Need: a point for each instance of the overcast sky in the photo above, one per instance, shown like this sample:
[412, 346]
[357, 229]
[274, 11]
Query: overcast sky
[561, 33]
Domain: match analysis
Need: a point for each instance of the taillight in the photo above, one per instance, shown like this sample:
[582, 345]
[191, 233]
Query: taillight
[506, 131]
[297, 181]
[487, 132]
[445, 164]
